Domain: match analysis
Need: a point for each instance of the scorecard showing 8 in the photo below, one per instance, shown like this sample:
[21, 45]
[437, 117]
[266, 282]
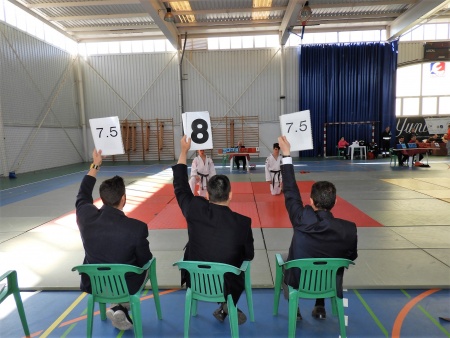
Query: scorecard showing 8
[197, 126]
[107, 135]
[297, 129]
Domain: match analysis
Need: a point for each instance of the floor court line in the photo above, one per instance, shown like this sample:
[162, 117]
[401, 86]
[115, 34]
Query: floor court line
[396, 329]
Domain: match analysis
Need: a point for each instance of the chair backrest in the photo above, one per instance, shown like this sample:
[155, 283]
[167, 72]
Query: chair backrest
[107, 281]
[318, 275]
[206, 279]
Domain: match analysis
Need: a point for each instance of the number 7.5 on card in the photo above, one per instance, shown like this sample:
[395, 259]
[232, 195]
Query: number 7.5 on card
[297, 129]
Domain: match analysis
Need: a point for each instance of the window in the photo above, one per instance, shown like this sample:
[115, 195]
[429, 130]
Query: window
[409, 81]
[423, 89]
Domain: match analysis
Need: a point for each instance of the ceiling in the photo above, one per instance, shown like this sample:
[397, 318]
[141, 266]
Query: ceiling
[110, 20]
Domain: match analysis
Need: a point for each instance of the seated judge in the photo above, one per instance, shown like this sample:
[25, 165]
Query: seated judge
[402, 155]
[239, 159]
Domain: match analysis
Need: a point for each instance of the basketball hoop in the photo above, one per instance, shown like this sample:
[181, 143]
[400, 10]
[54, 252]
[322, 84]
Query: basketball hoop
[305, 15]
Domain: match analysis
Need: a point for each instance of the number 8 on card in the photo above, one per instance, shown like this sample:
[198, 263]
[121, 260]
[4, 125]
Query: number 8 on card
[297, 129]
[197, 126]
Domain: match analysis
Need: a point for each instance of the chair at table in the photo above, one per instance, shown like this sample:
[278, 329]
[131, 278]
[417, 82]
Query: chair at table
[317, 280]
[207, 285]
[393, 157]
[109, 286]
[12, 288]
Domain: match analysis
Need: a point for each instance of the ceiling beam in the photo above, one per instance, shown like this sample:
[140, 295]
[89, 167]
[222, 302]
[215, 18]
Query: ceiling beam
[362, 4]
[82, 3]
[42, 19]
[98, 17]
[153, 8]
[112, 28]
[290, 18]
[415, 15]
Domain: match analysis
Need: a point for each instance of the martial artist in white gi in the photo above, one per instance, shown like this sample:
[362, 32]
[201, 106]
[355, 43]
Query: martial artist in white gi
[201, 171]
[273, 170]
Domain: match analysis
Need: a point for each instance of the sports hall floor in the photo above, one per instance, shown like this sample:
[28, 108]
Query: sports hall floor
[399, 287]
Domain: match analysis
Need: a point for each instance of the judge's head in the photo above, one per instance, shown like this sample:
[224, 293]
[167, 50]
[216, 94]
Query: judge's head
[219, 189]
[112, 192]
[323, 195]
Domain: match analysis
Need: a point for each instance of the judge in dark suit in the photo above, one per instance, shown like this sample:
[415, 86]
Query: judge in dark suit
[109, 236]
[216, 234]
[317, 233]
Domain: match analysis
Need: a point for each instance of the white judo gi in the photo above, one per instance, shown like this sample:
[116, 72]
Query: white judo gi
[273, 174]
[204, 171]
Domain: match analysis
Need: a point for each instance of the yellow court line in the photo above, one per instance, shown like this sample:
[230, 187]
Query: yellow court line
[63, 315]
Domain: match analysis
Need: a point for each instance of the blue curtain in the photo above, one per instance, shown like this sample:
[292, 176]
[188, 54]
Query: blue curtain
[348, 83]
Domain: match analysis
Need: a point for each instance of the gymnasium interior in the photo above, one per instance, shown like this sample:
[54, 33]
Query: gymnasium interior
[356, 66]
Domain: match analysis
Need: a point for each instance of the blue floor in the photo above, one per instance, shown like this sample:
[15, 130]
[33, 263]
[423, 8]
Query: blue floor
[371, 313]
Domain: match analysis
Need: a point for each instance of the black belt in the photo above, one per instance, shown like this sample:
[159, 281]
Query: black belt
[203, 176]
[279, 175]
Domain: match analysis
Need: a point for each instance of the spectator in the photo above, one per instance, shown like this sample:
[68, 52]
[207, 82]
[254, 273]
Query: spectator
[386, 141]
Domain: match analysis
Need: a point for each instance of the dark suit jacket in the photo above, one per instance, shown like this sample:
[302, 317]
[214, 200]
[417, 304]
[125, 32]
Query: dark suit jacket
[317, 234]
[216, 234]
[110, 237]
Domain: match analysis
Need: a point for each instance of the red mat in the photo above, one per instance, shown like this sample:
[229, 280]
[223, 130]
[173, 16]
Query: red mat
[157, 207]
[265, 210]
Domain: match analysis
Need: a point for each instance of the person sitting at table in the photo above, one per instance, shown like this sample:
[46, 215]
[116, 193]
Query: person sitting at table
[433, 139]
[402, 155]
[342, 147]
[414, 140]
[238, 159]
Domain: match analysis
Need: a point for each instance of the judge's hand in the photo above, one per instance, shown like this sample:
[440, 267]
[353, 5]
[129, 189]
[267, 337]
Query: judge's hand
[97, 157]
[284, 145]
[185, 144]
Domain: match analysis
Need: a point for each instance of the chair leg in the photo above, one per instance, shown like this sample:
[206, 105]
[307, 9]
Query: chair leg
[333, 306]
[135, 304]
[249, 295]
[278, 280]
[187, 312]
[155, 289]
[194, 308]
[90, 316]
[21, 311]
[233, 317]
[341, 317]
[293, 306]
[102, 311]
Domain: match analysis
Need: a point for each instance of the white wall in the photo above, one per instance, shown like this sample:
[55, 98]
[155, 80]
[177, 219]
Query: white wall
[38, 104]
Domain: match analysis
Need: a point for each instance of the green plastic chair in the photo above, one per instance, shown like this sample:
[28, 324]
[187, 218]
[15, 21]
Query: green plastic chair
[317, 280]
[12, 288]
[393, 157]
[207, 286]
[109, 286]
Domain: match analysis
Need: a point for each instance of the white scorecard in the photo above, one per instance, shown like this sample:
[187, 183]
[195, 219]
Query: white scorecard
[107, 136]
[197, 126]
[297, 129]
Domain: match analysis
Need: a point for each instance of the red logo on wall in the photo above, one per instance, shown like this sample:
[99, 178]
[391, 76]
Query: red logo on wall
[437, 68]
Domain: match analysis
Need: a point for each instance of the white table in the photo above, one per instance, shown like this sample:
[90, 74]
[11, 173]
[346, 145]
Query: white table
[362, 150]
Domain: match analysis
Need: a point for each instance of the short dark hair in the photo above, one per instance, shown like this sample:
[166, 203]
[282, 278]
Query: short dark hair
[112, 190]
[276, 145]
[323, 194]
[219, 188]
